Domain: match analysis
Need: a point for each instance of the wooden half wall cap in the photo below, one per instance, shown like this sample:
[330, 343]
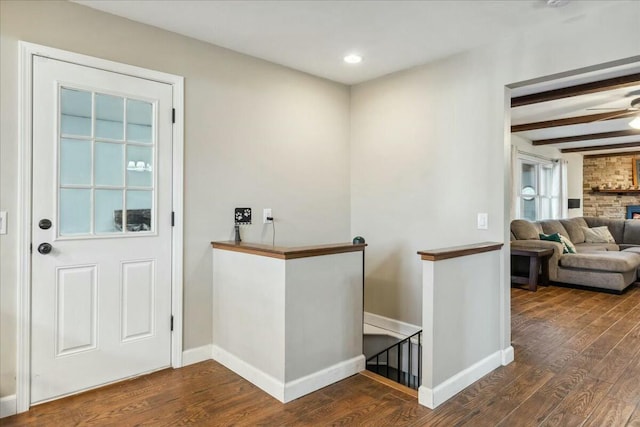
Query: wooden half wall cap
[459, 251]
[284, 252]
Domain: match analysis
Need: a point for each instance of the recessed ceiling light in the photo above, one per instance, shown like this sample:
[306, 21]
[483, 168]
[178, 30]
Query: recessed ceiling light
[353, 59]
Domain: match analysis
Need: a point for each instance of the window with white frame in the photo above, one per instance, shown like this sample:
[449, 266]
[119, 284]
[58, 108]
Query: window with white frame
[539, 184]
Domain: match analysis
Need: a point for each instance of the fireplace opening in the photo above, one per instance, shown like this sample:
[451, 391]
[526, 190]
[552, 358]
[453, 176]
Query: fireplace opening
[633, 212]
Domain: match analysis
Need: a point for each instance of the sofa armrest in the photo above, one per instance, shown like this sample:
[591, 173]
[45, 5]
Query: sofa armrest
[543, 244]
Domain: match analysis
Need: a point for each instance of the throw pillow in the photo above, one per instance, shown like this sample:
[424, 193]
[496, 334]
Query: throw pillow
[571, 248]
[598, 235]
[557, 237]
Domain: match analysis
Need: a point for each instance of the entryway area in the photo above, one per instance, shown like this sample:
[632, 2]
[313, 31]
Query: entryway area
[101, 281]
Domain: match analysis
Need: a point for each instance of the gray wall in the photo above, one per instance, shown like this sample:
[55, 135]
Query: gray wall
[430, 148]
[256, 134]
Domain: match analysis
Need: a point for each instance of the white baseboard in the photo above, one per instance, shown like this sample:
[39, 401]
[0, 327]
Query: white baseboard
[393, 325]
[293, 389]
[315, 381]
[8, 406]
[249, 372]
[508, 356]
[198, 354]
[431, 398]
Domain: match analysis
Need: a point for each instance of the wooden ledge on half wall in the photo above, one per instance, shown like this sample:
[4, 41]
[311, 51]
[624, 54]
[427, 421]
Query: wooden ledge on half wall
[285, 252]
[459, 251]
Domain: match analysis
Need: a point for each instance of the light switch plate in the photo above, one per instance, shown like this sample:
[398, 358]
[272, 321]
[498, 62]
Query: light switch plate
[3, 222]
[483, 221]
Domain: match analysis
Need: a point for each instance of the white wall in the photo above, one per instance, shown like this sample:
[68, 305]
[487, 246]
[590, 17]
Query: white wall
[574, 178]
[256, 134]
[461, 315]
[288, 326]
[428, 149]
[323, 312]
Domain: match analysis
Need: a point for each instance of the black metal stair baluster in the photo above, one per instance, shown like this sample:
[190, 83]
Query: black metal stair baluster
[387, 370]
[402, 377]
[410, 357]
[419, 360]
[400, 363]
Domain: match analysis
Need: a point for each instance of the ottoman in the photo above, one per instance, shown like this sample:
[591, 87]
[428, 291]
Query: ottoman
[635, 250]
[609, 270]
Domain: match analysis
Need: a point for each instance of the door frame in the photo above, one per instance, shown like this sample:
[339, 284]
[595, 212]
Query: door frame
[25, 152]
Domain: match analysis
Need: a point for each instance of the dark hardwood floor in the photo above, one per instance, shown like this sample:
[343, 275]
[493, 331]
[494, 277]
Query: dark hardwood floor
[577, 363]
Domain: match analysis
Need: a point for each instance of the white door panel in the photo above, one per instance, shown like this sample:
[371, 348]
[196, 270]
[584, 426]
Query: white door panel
[101, 299]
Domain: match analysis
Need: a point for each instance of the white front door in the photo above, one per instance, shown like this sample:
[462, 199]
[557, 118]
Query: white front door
[101, 227]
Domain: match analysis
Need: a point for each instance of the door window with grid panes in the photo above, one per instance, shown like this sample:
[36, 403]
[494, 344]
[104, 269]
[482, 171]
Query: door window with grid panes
[106, 164]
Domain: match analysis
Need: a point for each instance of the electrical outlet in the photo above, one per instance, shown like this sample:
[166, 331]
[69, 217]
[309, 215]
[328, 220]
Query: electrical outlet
[266, 213]
[3, 222]
[483, 221]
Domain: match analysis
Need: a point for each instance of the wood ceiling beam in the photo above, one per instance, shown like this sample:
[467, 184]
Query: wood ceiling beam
[588, 137]
[582, 89]
[578, 120]
[603, 147]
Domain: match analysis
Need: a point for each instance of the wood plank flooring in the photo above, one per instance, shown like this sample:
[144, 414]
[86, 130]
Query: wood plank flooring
[577, 364]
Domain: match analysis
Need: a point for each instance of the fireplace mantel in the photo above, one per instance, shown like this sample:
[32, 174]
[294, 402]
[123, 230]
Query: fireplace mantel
[637, 191]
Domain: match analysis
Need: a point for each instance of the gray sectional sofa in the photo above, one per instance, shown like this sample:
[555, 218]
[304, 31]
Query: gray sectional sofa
[608, 266]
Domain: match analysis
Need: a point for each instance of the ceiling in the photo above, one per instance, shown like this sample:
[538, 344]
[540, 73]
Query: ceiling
[314, 36]
[587, 115]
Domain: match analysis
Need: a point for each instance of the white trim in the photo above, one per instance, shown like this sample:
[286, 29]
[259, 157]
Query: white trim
[23, 219]
[389, 324]
[286, 392]
[431, 398]
[249, 372]
[317, 380]
[7, 406]
[177, 242]
[25, 72]
[196, 355]
[508, 355]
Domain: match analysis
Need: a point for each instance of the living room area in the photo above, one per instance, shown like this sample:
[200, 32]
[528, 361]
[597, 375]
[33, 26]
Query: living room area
[576, 193]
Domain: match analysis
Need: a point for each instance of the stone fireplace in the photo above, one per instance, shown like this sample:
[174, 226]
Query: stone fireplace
[633, 212]
[614, 173]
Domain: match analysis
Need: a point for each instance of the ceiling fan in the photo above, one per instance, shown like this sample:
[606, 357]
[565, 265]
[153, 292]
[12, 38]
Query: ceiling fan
[634, 107]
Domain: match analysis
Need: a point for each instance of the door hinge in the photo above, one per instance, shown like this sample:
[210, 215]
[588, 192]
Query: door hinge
[30, 247]
[173, 115]
[171, 323]
[173, 219]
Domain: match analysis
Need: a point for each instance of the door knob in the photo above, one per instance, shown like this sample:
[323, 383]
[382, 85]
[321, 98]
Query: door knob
[44, 248]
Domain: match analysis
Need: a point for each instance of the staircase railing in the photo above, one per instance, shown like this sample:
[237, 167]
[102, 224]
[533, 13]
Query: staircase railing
[391, 364]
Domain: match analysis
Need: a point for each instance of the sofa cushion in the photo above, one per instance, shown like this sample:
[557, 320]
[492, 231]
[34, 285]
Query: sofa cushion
[598, 235]
[596, 247]
[618, 262]
[567, 246]
[633, 250]
[574, 228]
[624, 246]
[631, 232]
[550, 226]
[616, 226]
[525, 230]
